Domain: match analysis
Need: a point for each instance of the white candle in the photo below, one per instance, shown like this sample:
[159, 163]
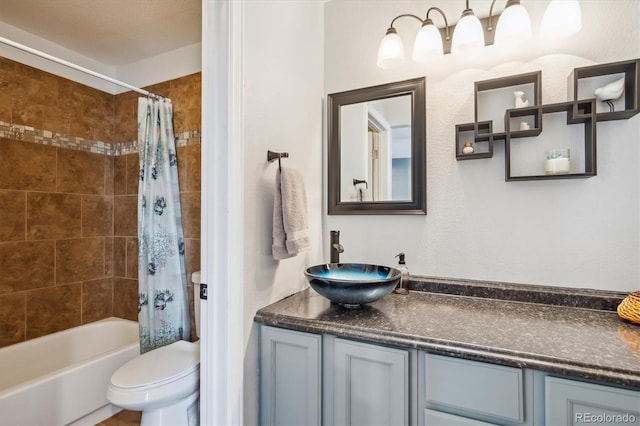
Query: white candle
[556, 166]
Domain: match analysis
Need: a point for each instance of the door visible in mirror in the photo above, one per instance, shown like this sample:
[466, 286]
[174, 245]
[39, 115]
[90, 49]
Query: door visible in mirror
[376, 162]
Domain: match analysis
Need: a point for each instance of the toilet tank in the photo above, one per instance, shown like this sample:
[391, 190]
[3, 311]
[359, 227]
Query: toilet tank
[195, 279]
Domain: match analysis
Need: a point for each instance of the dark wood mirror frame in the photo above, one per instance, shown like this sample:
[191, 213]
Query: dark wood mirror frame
[418, 202]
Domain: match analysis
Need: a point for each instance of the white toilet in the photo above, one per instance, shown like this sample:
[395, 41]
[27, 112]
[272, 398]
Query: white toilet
[163, 383]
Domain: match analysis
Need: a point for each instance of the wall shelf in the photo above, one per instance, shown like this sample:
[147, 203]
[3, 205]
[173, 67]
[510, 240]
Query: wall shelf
[530, 131]
[587, 79]
[522, 147]
[493, 97]
[480, 135]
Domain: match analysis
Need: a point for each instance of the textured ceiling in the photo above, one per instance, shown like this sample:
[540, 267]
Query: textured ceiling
[113, 32]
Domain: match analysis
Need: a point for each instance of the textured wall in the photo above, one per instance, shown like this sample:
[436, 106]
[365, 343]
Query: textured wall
[282, 111]
[574, 233]
[68, 225]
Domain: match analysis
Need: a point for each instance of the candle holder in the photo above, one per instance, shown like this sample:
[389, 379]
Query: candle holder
[557, 162]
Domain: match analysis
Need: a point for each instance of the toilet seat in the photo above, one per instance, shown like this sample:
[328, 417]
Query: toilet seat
[157, 378]
[158, 367]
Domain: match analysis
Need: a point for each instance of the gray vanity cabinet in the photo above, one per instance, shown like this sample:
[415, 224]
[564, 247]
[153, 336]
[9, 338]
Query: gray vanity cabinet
[290, 377]
[305, 376]
[311, 379]
[365, 384]
[570, 402]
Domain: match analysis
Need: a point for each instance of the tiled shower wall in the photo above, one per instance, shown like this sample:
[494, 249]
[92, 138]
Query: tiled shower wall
[68, 225]
[29, 96]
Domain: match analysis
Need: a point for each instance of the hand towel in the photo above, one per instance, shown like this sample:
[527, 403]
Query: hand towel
[363, 194]
[290, 229]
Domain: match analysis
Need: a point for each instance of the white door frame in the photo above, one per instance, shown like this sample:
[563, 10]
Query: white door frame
[222, 215]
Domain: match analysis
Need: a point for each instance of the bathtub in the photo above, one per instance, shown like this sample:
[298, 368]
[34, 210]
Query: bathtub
[62, 378]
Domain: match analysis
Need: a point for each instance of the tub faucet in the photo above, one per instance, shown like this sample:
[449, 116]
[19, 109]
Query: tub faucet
[336, 247]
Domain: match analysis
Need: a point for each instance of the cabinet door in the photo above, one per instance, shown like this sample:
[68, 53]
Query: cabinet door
[290, 377]
[570, 402]
[370, 384]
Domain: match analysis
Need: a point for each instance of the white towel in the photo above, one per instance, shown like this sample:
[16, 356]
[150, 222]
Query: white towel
[290, 229]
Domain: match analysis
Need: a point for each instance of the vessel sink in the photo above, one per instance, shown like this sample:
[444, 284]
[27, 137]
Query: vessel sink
[352, 284]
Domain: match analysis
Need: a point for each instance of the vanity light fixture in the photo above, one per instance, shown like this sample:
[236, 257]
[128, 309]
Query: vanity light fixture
[562, 18]
[514, 24]
[391, 51]
[468, 35]
[428, 44]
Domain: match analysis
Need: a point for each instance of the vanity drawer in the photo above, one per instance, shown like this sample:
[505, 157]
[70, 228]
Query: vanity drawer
[474, 388]
[436, 418]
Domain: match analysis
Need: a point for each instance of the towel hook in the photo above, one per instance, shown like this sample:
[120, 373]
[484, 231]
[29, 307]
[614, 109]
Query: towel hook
[271, 156]
[357, 181]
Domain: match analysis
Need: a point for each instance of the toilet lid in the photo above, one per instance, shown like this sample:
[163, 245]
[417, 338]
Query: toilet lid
[164, 364]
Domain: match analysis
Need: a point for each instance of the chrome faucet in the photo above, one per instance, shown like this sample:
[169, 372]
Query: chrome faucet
[336, 247]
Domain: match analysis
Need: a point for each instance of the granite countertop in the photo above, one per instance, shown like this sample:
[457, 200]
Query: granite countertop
[583, 343]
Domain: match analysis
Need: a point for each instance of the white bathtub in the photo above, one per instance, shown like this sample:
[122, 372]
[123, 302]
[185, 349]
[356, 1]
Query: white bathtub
[62, 378]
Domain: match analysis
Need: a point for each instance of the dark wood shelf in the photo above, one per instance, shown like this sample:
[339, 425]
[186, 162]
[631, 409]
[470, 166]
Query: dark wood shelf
[480, 136]
[551, 177]
[577, 112]
[529, 81]
[631, 71]
[584, 109]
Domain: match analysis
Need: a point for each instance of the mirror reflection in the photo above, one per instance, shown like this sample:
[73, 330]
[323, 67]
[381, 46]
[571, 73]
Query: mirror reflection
[375, 156]
[376, 149]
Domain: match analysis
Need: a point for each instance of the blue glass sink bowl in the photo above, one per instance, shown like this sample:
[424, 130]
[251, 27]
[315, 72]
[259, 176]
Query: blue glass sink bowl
[352, 284]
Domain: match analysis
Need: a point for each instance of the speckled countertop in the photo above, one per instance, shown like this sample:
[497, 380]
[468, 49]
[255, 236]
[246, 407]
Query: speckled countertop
[578, 342]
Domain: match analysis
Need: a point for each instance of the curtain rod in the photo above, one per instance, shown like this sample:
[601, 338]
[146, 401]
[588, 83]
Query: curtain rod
[76, 67]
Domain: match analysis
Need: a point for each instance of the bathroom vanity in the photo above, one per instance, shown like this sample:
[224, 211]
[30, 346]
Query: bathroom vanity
[441, 359]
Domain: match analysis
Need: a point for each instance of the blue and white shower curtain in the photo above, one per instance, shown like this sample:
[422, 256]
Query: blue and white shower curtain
[163, 308]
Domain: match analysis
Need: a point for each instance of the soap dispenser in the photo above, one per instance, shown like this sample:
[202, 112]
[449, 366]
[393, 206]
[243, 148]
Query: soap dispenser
[402, 288]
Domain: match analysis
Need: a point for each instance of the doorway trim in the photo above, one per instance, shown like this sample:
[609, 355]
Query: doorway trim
[222, 214]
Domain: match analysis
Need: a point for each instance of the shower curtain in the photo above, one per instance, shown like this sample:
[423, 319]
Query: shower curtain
[163, 307]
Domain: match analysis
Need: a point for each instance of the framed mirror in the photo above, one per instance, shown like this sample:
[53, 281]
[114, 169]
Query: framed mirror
[377, 149]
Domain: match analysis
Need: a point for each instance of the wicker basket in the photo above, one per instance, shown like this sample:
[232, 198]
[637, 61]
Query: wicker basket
[629, 308]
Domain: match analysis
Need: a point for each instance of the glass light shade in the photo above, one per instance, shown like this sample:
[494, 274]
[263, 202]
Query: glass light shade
[468, 35]
[428, 44]
[561, 19]
[513, 26]
[391, 51]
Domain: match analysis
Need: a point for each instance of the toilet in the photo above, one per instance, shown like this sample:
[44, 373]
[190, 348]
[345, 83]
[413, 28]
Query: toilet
[163, 383]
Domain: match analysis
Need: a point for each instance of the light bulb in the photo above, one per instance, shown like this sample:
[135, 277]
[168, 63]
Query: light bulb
[561, 19]
[428, 44]
[391, 51]
[468, 35]
[513, 26]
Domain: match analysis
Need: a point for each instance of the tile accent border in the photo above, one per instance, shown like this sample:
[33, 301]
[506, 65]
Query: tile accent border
[48, 137]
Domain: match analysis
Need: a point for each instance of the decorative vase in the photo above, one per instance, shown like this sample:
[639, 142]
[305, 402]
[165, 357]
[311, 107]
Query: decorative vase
[468, 148]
